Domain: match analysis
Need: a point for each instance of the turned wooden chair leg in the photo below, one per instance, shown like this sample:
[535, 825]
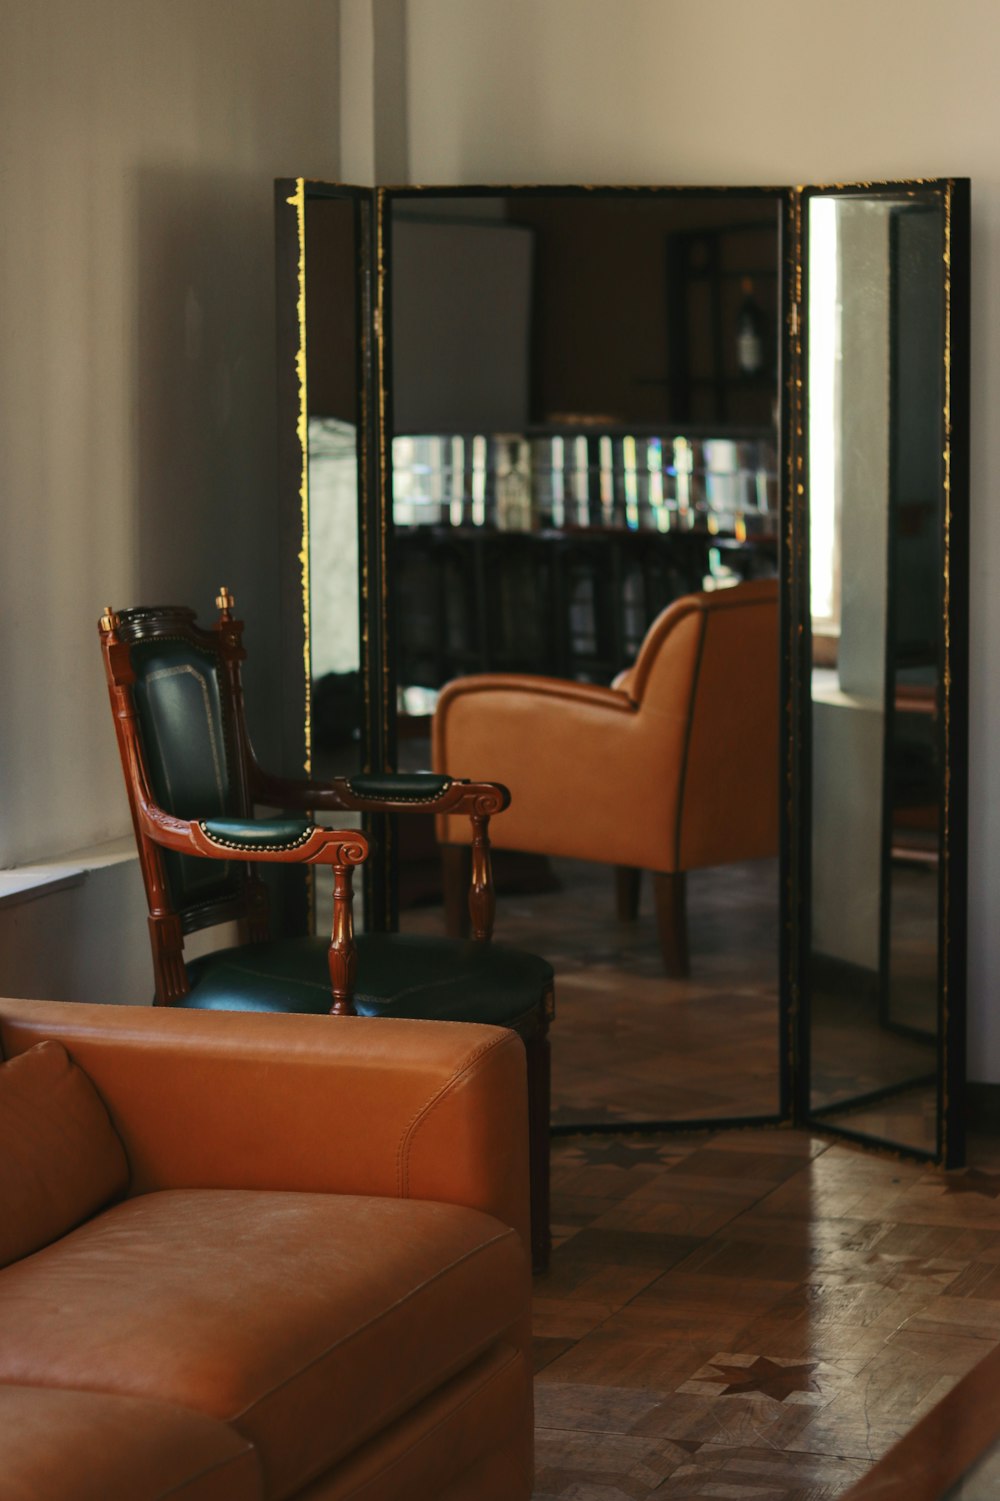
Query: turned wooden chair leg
[628, 888]
[539, 1104]
[670, 893]
[456, 870]
[342, 955]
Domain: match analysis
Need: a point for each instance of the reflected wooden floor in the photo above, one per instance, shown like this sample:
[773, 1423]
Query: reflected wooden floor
[629, 1043]
[755, 1314]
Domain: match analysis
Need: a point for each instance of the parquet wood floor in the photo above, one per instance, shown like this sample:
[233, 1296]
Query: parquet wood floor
[752, 1314]
[740, 1314]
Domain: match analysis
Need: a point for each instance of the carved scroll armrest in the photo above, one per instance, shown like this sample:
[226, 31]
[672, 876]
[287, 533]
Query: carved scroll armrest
[283, 841]
[383, 792]
[430, 792]
[288, 841]
[421, 792]
[409, 792]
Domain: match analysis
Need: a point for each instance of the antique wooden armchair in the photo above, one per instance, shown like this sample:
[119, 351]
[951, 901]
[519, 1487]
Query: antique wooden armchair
[193, 784]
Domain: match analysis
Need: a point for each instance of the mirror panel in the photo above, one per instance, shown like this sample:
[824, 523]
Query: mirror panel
[333, 401]
[583, 417]
[880, 512]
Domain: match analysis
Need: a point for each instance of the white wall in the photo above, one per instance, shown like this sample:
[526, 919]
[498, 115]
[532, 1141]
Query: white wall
[774, 91]
[138, 142]
[86, 943]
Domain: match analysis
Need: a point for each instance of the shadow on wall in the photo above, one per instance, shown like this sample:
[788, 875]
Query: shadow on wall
[204, 387]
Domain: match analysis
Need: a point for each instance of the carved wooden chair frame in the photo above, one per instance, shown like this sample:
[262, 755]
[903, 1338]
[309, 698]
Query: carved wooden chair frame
[342, 849]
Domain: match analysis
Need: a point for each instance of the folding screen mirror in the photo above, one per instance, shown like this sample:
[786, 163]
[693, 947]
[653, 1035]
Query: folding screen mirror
[573, 408]
[885, 299]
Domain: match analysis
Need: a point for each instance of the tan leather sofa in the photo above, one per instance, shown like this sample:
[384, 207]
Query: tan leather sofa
[673, 768]
[254, 1256]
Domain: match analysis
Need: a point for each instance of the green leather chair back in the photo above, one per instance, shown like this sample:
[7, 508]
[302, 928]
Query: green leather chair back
[189, 750]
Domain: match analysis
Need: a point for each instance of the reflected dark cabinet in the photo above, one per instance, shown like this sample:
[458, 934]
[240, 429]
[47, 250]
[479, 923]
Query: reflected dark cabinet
[722, 312]
[573, 604]
[515, 423]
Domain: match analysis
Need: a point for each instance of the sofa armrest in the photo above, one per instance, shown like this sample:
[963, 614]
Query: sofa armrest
[427, 1110]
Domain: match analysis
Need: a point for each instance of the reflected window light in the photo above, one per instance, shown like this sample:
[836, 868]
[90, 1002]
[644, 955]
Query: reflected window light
[558, 482]
[478, 481]
[607, 493]
[631, 484]
[457, 480]
[824, 383]
[581, 481]
[435, 461]
[334, 638]
[683, 464]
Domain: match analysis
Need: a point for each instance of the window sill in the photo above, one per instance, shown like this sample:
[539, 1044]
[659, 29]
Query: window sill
[26, 883]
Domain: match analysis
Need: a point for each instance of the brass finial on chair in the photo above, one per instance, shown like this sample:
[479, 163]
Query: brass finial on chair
[109, 620]
[225, 603]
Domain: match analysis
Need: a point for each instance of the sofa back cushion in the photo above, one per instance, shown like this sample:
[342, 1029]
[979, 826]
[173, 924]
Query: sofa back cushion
[60, 1159]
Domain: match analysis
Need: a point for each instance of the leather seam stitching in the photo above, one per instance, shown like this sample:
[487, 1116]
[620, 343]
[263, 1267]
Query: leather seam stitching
[406, 1140]
[428, 1433]
[220, 1464]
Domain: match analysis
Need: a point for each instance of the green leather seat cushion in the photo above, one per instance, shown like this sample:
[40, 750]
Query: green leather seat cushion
[257, 833]
[434, 979]
[399, 786]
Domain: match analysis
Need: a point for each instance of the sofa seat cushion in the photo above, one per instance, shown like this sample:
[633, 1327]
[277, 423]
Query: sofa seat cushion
[308, 1321]
[60, 1159]
[431, 979]
[85, 1446]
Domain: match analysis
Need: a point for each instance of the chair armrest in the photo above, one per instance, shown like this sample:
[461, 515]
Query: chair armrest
[384, 792]
[276, 840]
[316, 1104]
[409, 792]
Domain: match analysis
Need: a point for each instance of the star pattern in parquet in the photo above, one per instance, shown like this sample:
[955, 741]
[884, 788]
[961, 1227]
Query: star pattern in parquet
[986, 1185]
[617, 1151]
[757, 1314]
[772, 1378]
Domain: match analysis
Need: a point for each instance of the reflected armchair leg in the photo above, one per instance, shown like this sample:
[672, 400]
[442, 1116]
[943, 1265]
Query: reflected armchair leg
[628, 889]
[456, 868]
[670, 893]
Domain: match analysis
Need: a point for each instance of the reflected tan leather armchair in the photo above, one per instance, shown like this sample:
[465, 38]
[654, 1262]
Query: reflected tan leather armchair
[248, 1256]
[672, 769]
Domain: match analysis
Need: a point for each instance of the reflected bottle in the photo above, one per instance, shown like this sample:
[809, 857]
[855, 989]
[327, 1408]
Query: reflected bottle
[749, 333]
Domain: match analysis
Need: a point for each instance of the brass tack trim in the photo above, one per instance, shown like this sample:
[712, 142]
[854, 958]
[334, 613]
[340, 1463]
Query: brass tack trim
[230, 844]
